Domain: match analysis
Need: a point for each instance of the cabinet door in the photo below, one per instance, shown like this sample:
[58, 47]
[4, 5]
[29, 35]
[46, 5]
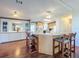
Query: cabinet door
[4, 25]
[3, 38]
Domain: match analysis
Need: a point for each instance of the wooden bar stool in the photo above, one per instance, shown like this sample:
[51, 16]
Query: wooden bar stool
[63, 41]
[72, 43]
[32, 45]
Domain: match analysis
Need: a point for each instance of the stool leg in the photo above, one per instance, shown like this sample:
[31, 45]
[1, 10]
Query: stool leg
[70, 48]
[62, 49]
[65, 46]
[74, 45]
[74, 48]
[59, 46]
[53, 47]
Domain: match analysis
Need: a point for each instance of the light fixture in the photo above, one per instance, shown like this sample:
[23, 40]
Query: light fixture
[48, 16]
[15, 13]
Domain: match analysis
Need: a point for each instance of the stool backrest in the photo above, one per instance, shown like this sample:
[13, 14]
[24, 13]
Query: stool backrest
[72, 36]
[66, 36]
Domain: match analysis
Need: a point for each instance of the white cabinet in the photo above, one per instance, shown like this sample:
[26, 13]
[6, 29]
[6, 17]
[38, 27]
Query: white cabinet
[4, 25]
[12, 36]
[8, 32]
[3, 37]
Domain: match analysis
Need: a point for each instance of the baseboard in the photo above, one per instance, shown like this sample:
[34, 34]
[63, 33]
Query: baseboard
[12, 41]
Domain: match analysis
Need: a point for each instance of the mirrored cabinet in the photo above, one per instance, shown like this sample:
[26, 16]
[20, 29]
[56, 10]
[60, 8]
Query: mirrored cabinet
[13, 25]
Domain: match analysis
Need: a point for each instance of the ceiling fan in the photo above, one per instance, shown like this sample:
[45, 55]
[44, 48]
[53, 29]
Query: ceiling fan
[19, 1]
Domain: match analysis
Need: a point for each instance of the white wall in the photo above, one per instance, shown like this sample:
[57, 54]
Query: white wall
[75, 27]
[63, 26]
[58, 26]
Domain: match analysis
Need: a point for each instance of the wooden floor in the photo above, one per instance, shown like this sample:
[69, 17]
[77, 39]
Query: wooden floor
[18, 50]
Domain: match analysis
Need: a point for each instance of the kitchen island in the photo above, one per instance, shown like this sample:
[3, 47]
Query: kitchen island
[46, 43]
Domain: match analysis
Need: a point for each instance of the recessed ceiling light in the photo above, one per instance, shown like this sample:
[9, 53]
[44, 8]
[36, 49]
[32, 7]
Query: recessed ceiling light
[48, 17]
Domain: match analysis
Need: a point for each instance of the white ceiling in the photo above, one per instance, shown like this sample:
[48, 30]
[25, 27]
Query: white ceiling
[34, 9]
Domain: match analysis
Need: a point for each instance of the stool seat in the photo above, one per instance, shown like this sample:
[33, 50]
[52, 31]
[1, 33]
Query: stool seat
[62, 40]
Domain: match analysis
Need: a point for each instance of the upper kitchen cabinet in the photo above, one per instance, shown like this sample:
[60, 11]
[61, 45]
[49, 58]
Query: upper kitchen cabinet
[13, 25]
